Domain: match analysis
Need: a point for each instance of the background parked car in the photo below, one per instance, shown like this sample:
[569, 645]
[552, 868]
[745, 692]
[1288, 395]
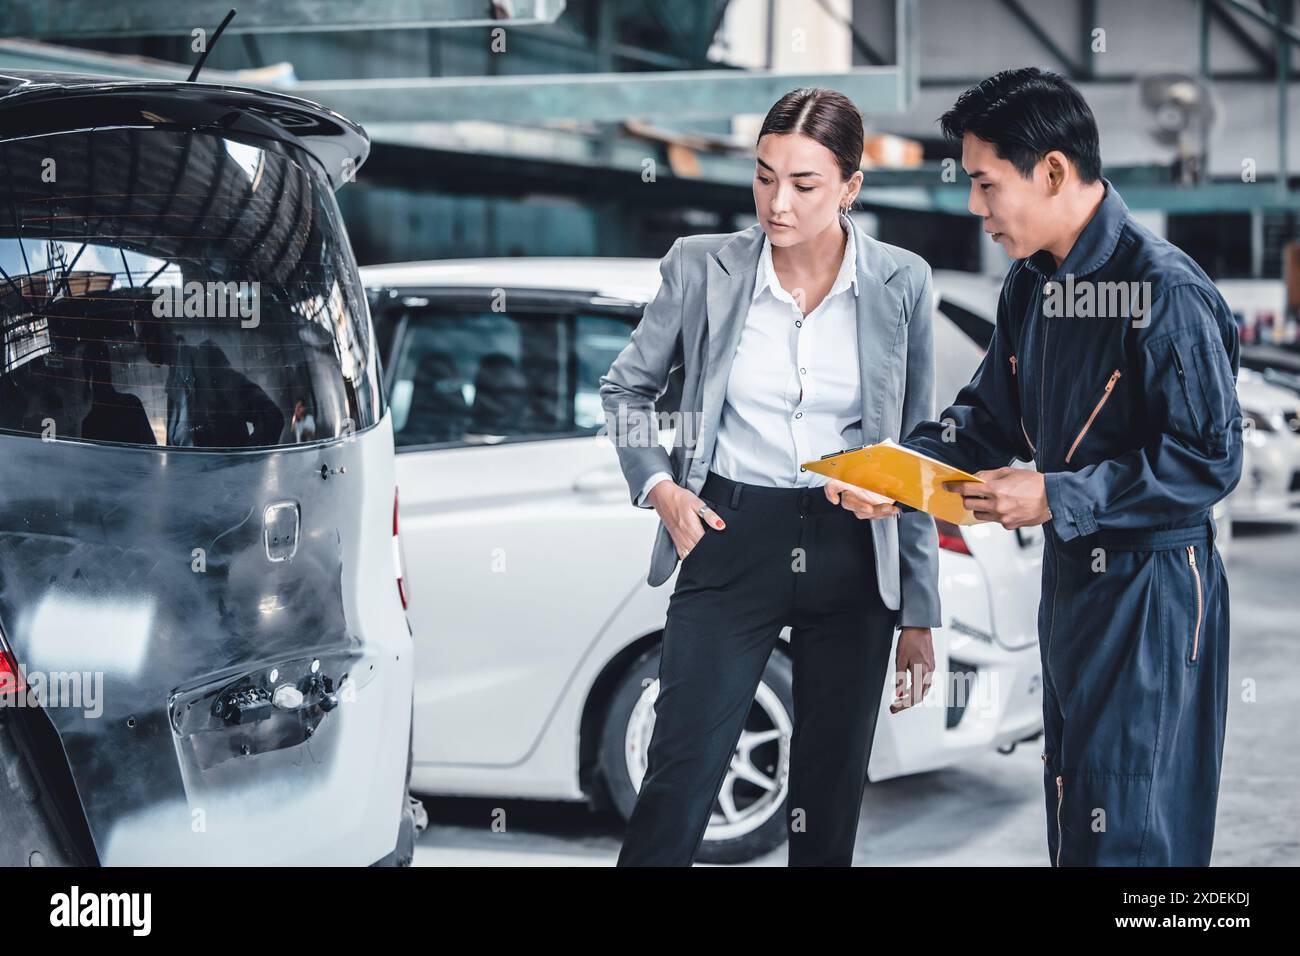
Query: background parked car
[1270, 473]
[537, 636]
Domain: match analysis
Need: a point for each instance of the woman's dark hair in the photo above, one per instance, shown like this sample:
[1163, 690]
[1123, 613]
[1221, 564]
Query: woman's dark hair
[827, 116]
[1025, 114]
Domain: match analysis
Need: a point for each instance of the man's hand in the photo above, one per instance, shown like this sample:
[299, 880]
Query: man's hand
[1013, 497]
[915, 660]
[678, 509]
[863, 503]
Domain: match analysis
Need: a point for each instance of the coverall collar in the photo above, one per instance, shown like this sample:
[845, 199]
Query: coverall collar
[1094, 245]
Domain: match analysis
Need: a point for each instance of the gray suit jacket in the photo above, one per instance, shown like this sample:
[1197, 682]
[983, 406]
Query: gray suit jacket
[695, 321]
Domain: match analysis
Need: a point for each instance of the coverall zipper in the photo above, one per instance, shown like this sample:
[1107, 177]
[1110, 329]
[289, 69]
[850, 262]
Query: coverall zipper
[1060, 794]
[1110, 385]
[1187, 395]
[1032, 450]
[1196, 573]
[1042, 359]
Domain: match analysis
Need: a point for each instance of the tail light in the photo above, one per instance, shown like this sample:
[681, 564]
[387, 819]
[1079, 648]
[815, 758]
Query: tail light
[950, 537]
[11, 678]
[399, 559]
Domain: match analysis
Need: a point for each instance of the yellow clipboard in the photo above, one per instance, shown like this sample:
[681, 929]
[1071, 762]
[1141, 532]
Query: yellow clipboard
[907, 476]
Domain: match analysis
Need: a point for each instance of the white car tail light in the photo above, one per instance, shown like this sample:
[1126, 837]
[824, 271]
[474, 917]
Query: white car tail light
[950, 537]
[11, 677]
[399, 559]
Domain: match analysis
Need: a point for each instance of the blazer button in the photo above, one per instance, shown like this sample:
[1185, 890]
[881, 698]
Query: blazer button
[798, 323]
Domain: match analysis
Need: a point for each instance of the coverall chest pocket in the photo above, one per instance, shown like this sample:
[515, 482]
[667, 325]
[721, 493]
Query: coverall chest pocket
[1103, 396]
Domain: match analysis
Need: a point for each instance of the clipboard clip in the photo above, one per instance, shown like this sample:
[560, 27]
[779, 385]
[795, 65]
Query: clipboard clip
[842, 451]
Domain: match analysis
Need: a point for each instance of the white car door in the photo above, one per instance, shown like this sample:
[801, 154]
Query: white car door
[519, 538]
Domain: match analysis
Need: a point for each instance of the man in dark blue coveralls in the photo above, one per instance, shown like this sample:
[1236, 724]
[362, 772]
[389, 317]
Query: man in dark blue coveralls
[1113, 368]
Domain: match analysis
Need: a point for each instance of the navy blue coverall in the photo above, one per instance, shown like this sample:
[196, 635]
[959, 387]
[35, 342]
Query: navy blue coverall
[1132, 416]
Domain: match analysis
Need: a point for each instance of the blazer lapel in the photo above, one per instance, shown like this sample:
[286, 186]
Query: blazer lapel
[880, 315]
[730, 274]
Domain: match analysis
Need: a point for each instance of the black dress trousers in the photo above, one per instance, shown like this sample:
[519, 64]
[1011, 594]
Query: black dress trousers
[787, 556]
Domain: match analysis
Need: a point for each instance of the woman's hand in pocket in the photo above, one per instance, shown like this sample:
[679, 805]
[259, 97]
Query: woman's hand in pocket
[863, 503]
[679, 509]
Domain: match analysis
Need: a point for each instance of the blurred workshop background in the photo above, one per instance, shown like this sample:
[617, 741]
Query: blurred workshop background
[609, 128]
[585, 128]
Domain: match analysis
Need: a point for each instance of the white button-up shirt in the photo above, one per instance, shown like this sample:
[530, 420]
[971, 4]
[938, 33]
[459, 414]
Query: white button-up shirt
[795, 388]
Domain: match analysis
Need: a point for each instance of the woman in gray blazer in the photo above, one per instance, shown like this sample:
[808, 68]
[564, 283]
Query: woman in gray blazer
[798, 337]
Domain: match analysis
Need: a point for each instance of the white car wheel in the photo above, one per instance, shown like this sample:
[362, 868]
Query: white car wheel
[748, 816]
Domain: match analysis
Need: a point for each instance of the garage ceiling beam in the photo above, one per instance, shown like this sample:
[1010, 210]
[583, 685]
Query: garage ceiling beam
[860, 42]
[1243, 39]
[1087, 23]
[1044, 39]
[905, 191]
[50, 57]
[600, 97]
[1111, 79]
[105, 18]
[1270, 20]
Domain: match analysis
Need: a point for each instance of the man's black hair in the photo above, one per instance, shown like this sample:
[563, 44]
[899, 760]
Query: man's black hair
[1027, 113]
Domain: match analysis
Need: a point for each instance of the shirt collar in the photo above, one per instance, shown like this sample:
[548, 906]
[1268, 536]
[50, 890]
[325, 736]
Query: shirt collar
[1094, 245]
[846, 278]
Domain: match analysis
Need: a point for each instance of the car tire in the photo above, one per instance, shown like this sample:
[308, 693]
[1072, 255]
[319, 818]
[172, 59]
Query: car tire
[759, 825]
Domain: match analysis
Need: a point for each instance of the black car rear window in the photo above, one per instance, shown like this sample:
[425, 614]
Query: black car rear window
[178, 289]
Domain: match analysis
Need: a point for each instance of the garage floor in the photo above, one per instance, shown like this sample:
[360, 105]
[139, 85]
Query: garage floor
[990, 811]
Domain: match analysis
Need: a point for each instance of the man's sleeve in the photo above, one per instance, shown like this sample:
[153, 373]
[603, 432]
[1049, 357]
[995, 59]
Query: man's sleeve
[981, 429]
[1188, 381]
[639, 376]
[918, 543]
